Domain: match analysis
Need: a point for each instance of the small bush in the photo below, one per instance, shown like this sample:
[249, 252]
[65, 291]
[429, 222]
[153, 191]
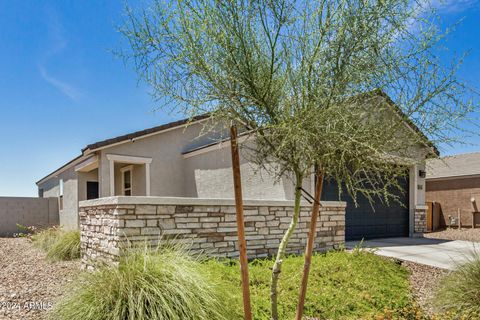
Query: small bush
[59, 244]
[163, 283]
[45, 239]
[459, 292]
[25, 231]
[66, 247]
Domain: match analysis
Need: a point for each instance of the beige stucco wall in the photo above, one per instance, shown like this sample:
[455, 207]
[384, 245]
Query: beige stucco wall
[207, 175]
[138, 179]
[50, 187]
[69, 215]
[83, 178]
[167, 165]
[171, 174]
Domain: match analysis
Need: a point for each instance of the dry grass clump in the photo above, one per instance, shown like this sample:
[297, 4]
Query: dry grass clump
[58, 243]
[155, 284]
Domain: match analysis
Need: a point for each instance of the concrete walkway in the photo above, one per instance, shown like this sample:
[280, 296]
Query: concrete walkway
[445, 254]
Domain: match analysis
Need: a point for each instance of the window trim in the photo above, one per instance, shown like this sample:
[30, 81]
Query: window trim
[60, 194]
[123, 170]
[60, 187]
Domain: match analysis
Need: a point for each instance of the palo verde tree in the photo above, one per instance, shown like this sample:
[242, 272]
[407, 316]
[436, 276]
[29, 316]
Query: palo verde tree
[311, 81]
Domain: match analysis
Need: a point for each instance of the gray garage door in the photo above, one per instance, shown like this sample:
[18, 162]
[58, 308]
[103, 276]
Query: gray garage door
[379, 221]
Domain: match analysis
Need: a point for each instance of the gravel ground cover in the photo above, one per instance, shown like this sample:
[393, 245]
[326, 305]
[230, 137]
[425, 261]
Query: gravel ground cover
[466, 234]
[29, 285]
[424, 280]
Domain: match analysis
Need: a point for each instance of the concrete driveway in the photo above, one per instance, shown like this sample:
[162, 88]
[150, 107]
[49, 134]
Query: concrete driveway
[445, 254]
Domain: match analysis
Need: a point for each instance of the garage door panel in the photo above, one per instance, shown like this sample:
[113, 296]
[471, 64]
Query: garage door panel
[377, 220]
[401, 230]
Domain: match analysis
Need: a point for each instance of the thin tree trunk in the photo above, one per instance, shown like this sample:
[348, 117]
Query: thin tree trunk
[277, 266]
[310, 244]
[242, 243]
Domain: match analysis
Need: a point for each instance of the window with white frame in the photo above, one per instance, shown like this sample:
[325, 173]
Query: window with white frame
[60, 194]
[127, 177]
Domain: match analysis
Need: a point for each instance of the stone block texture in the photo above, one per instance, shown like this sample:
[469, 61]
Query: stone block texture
[211, 229]
[420, 221]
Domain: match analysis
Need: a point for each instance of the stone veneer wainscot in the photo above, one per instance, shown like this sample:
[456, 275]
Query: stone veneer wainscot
[420, 223]
[107, 224]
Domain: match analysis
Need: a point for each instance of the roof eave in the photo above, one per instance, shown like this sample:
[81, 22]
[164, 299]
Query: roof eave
[142, 133]
[60, 170]
[91, 148]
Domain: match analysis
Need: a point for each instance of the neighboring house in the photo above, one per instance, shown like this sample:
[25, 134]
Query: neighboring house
[451, 182]
[176, 160]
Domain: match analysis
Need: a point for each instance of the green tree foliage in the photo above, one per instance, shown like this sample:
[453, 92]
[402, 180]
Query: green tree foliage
[311, 81]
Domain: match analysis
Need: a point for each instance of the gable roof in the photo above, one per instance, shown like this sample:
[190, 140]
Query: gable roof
[158, 129]
[141, 133]
[460, 165]
[123, 138]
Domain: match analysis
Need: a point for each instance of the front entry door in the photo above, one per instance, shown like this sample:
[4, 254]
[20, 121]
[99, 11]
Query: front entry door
[92, 190]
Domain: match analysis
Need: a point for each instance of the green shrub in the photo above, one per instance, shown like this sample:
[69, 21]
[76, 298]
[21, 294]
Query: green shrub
[59, 244]
[66, 247]
[25, 231]
[459, 292]
[163, 283]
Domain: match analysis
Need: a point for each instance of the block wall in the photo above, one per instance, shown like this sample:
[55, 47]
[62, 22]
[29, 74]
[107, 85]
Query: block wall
[211, 229]
[38, 212]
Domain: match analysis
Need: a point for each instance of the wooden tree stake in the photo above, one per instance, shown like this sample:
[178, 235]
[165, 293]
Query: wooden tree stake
[310, 244]
[237, 185]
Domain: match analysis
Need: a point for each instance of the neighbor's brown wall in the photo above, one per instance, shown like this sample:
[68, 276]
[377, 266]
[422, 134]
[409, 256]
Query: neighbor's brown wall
[454, 194]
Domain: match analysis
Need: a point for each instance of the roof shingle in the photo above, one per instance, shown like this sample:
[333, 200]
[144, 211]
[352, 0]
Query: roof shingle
[467, 164]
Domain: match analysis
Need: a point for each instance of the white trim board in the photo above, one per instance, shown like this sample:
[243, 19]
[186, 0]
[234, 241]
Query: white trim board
[128, 159]
[122, 171]
[112, 158]
[87, 163]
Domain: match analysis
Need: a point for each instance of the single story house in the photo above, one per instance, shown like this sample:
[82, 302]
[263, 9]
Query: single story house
[451, 182]
[176, 160]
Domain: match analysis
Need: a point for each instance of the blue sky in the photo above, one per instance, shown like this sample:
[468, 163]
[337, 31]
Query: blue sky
[61, 87]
